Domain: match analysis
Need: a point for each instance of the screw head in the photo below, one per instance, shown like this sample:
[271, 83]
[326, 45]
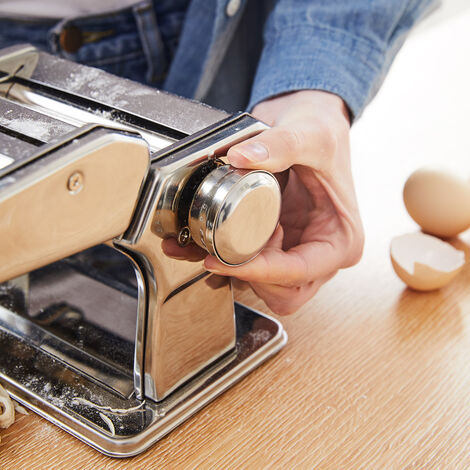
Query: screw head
[184, 236]
[75, 182]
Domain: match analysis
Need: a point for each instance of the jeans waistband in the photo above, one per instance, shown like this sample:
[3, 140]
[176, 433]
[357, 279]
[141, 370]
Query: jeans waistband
[125, 42]
[106, 37]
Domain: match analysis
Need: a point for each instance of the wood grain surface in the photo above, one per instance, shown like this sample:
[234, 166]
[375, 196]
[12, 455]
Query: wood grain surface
[374, 375]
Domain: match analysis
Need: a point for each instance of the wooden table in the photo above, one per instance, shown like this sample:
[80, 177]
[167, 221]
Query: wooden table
[374, 375]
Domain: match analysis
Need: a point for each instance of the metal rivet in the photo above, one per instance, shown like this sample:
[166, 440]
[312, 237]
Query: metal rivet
[71, 39]
[184, 236]
[75, 182]
[232, 7]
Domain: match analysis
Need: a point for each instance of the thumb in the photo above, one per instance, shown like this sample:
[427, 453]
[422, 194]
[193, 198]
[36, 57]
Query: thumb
[275, 150]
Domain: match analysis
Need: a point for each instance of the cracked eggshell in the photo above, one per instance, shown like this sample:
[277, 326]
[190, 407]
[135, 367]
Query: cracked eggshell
[424, 262]
[438, 201]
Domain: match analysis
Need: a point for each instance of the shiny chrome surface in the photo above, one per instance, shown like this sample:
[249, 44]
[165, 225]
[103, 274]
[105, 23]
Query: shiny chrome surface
[57, 307]
[28, 126]
[35, 199]
[17, 61]
[187, 162]
[77, 117]
[117, 426]
[179, 319]
[5, 160]
[119, 343]
[234, 213]
[160, 112]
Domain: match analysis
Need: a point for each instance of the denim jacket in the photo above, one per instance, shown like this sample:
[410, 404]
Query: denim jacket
[236, 53]
[342, 46]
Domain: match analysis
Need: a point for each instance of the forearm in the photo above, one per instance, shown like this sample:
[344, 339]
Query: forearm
[341, 46]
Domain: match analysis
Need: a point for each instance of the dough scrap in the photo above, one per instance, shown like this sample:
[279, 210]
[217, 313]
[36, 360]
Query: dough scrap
[7, 409]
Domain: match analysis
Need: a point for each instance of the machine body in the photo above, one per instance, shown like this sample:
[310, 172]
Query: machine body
[100, 331]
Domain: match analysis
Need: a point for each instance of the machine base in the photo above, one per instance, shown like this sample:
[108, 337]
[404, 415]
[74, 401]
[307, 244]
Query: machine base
[109, 422]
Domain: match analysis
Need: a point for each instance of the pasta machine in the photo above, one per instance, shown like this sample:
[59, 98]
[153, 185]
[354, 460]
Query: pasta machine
[101, 332]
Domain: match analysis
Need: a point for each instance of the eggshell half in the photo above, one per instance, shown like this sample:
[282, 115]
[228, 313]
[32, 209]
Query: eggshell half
[438, 201]
[424, 262]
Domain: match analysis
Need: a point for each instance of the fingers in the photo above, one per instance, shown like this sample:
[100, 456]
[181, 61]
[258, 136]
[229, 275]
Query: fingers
[308, 144]
[287, 300]
[283, 300]
[240, 285]
[191, 252]
[296, 267]
[274, 150]
[310, 138]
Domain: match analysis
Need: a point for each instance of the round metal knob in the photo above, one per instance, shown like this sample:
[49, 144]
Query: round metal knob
[234, 213]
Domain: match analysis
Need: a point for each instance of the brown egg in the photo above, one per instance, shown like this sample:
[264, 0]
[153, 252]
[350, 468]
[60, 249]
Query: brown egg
[424, 262]
[438, 201]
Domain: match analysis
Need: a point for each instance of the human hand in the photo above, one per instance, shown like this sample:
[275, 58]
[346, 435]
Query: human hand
[320, 230]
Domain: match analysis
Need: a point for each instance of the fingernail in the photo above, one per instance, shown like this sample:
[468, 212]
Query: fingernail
[254, 151]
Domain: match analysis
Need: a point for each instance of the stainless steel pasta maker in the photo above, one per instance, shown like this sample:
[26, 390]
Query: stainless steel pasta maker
[100, 331]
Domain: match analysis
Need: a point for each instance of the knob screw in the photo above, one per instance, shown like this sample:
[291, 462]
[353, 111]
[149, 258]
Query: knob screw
[184, 236]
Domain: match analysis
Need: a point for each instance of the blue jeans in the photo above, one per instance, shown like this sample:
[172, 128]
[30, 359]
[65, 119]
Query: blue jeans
[130, 42]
